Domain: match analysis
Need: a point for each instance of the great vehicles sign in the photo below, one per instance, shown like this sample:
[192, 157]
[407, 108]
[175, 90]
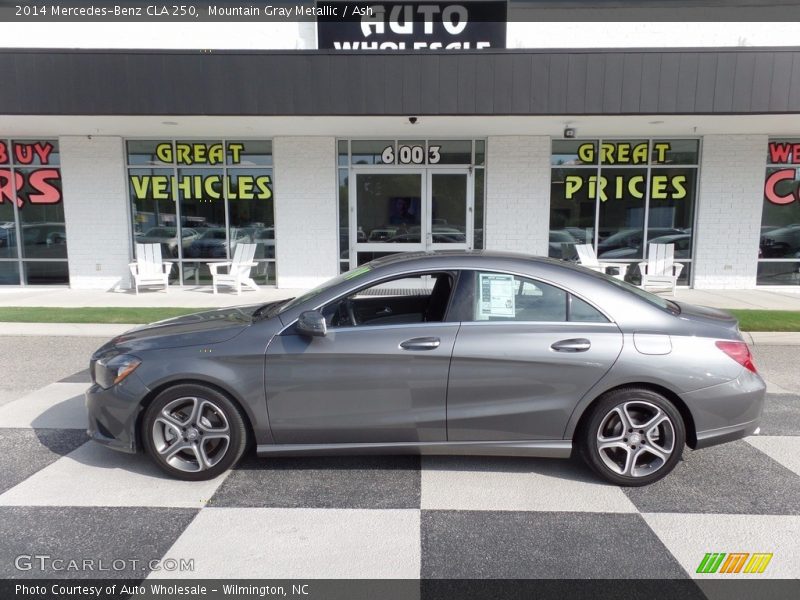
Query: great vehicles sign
[465, 25]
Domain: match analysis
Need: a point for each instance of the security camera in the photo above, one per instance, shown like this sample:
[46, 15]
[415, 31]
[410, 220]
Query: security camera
[569, 132]
[412, 120]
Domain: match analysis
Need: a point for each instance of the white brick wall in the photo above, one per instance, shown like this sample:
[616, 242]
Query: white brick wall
[96, 211]
[306, 236]
[729, 211]
[518, 194]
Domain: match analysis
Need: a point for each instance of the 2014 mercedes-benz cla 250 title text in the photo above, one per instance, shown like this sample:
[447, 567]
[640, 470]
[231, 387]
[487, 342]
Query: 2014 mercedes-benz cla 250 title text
[439, 353]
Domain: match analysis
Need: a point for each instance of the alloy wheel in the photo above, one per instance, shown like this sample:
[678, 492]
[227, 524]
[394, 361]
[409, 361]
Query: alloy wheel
[191, 434]
[636, 438]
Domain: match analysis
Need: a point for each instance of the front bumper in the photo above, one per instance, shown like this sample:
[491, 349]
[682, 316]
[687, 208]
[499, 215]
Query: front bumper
[729, 411]
[114, 413]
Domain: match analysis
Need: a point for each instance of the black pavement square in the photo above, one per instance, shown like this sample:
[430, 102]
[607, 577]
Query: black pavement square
[23, 452]
[323, 482]
[101, 534]
[529, 545]
[733, 478]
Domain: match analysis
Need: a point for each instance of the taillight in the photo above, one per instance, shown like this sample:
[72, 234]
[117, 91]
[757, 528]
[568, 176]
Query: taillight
[739, 352]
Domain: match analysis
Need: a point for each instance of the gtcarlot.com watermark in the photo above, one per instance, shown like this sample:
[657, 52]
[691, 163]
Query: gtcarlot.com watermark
[57, 564]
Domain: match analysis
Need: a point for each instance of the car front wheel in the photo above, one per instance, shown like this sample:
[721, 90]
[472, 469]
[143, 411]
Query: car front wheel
[633, 437]
[193, 432]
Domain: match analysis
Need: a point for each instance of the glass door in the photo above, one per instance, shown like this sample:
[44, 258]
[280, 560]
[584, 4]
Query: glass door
[403, 210]
[387, 208]
[450, 198]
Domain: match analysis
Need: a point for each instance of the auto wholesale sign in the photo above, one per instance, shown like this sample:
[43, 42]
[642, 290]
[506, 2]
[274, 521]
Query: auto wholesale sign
[411, 25]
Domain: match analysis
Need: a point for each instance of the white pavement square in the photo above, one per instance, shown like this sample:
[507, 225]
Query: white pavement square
[281, 543]
[93, 475]
[483, 483]
[690, 536]
[57, 406]
[783, 449]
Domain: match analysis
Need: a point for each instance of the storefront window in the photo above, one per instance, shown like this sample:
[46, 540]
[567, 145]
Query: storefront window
[206, 198]
[33, 238]
[779, 247]
[620, 196]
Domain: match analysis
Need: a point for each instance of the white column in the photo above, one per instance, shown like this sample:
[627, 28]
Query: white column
[729, 208]
[96, 211]
[306, 196]
[518, 194]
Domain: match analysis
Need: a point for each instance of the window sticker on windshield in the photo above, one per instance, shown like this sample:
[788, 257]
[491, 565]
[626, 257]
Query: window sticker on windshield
[496, 297]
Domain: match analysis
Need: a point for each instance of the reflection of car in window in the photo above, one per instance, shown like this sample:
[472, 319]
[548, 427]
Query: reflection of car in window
[780, 242]
[265, 238]
[213, 243]
[168, 238]
[558, 237]
[39, 240]
[381, 235]
[629, 242]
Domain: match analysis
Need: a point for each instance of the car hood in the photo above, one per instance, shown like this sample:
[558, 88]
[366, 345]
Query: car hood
[209, 327]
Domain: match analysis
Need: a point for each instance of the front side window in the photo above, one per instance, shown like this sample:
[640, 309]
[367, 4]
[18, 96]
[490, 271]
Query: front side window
[412, 299]
[779, 246]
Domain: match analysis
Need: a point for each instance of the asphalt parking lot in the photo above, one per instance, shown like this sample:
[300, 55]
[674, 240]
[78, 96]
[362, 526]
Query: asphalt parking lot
[379, 517]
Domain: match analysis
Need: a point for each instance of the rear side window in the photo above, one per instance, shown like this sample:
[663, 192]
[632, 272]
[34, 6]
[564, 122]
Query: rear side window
[584, 312]
[491, 296]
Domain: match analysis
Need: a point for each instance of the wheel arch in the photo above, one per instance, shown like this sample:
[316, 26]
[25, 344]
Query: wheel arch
[672, 396]
[153, 394]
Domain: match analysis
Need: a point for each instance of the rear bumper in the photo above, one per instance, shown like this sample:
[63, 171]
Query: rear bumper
[726, 434]
[114, 413]
[727, 412]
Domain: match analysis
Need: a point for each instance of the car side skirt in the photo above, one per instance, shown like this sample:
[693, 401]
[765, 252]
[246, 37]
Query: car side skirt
[537, 448]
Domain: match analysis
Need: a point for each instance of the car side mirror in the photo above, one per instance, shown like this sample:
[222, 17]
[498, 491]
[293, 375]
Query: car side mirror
[312, 323]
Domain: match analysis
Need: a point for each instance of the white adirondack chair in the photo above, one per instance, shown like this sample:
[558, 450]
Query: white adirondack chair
[587, 258]
[660, 270]
[238, 269]
[149, 269]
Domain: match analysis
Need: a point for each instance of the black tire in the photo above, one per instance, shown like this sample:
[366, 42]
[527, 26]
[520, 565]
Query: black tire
[213, 441]
[631, 458]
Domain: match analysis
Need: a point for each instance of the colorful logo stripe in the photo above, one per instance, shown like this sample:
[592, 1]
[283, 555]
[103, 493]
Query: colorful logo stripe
[734, 562]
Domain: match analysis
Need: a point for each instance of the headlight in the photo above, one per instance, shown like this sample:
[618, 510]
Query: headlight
[110, 371]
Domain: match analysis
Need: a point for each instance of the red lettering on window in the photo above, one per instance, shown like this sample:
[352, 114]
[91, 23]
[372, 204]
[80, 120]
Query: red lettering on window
[43, 151]
[23, 153]
[3, 153]
[772, 181]
[7, 190]
[46, 192]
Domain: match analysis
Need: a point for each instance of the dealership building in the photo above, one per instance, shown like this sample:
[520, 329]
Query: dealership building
[327, 158]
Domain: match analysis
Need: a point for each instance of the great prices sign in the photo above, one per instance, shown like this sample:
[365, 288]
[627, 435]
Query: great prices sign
[29, 173]
[617, 184]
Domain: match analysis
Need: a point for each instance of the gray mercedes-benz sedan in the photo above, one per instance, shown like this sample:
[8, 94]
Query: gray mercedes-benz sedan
[444, 353]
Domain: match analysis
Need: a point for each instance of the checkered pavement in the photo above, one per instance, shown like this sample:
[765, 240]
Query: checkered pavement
[390, 517]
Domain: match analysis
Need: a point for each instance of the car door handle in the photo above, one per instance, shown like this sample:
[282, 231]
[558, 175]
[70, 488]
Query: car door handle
[422, 343]
[572, 345]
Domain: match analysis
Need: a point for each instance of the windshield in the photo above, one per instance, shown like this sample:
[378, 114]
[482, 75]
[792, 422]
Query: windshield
[354, 274]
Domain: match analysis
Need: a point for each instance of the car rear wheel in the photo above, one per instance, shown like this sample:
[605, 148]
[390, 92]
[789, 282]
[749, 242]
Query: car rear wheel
[633, 437]
[193, 432]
